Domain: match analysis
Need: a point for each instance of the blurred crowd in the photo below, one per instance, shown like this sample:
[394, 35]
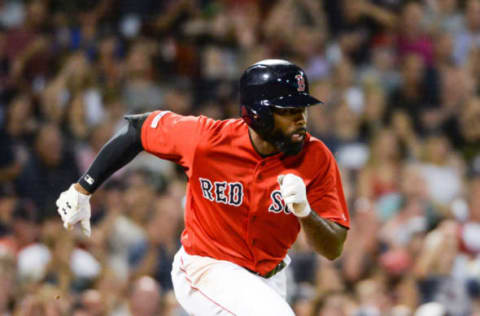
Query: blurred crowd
[400, 85]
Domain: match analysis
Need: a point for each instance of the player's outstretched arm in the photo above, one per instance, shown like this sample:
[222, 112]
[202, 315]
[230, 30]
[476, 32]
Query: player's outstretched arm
[326, 237]
[74, 204]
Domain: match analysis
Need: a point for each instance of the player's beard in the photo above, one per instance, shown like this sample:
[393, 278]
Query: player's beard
[284, 142]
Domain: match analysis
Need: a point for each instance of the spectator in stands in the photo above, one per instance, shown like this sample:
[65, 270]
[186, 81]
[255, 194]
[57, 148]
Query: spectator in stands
[51, 163]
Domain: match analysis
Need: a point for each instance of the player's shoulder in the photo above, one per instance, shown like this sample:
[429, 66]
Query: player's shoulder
[317, 150]
[316, 144]
[226, 126]
[205, 121]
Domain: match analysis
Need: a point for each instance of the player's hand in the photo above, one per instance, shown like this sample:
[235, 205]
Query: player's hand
[294, 194]
[74, 207]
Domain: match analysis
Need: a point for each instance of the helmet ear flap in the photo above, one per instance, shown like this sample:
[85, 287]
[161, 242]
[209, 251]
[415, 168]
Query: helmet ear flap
[258, 117]
[246, 115]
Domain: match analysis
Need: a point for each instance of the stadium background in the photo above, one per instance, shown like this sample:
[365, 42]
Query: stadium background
[400, 82]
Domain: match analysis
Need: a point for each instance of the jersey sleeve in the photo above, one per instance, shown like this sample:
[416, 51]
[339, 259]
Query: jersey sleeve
[174, 137]
[325, 194]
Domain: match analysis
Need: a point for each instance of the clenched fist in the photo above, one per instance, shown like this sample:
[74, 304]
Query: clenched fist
[294, 194]
[74, 207]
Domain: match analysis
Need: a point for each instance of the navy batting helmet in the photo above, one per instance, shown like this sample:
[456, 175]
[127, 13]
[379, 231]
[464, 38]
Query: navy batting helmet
[268, 84]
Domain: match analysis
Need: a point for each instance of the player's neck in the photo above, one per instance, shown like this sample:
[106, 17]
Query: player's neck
[261, 146]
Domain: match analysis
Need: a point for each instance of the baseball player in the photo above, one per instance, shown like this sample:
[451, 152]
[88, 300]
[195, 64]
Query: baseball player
[253, 183]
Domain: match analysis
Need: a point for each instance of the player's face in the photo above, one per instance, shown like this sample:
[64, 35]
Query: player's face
[290, 129]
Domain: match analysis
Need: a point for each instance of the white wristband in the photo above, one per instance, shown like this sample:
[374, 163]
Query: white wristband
[300, 213]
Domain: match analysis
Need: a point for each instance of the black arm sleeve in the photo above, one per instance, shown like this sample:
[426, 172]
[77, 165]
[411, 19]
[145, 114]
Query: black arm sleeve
[116, 153]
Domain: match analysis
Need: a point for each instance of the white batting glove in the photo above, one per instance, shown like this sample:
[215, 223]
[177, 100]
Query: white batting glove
[74, 207]
[294, 194]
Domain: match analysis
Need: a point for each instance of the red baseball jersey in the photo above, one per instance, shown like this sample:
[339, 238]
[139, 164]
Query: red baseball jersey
[234, 209]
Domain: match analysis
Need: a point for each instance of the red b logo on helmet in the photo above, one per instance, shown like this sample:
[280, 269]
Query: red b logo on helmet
[300, 83]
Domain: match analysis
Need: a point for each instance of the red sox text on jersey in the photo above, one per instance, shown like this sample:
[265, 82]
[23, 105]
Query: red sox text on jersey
[231, 193]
